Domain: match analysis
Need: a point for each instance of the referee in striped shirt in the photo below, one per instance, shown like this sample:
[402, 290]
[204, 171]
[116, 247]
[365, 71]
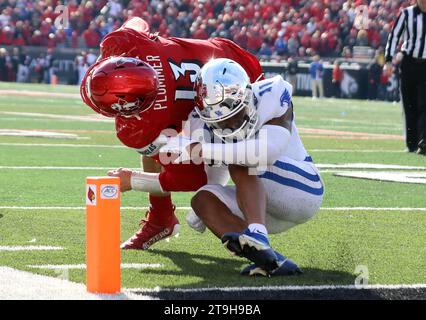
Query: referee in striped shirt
[412, 24]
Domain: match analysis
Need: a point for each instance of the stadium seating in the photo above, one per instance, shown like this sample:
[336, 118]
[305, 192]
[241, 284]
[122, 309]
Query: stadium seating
[279, 27]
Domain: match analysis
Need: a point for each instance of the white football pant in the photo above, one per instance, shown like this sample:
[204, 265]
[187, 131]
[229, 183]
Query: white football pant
[294, 193]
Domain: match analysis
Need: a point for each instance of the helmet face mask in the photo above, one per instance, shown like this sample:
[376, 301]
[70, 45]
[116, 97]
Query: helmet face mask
[239, 124]
[120, 86]
[224, 99]
[127, 108]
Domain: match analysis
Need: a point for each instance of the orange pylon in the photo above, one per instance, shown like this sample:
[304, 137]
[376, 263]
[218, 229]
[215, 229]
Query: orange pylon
[103, 235]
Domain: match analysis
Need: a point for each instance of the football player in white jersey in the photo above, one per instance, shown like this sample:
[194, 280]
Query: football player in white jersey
[277, 186]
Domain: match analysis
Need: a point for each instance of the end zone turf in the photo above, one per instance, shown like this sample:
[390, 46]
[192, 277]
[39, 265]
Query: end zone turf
[375, 224]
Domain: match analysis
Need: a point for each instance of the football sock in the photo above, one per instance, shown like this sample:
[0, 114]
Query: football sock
[161, 208]
[258, 228]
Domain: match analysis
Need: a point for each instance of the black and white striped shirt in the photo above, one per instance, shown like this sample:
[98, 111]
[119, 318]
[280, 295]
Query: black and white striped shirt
[412, 23]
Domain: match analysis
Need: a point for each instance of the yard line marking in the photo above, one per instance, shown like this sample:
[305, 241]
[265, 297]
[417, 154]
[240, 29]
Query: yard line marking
[323, 167]
[367, 166]
[74, 208]
[64, 145]
[417, 177]
[29, 248]
[124, 147]
[89, 118]
[189, 208]
[337, 172]
[112, 132]
[351, 122]
[53, 168]
[43, 94]
[41, 208]
[319, 131]
[83, 266]
[371, 209]
[354, 150]
[39, 134]
[290, 288]
[338, 137]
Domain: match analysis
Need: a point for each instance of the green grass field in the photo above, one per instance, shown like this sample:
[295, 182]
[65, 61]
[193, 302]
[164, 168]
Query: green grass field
[391, 243]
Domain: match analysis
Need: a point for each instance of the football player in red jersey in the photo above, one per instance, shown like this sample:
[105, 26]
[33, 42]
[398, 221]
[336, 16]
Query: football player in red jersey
[146, 83]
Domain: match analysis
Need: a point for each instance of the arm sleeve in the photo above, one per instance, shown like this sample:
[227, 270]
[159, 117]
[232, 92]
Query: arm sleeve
[217, 175]
[395, 36]
[175, 177]
[264, 150]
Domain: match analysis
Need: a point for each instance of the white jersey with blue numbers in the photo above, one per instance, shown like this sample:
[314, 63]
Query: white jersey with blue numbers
[294, 189]
[273, 100]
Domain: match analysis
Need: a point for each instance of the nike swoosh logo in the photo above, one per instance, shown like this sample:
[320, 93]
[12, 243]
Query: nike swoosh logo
[257, 231]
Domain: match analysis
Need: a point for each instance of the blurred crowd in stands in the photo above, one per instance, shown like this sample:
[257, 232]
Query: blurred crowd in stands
[268, 28]
[18, 66]
[272, 29]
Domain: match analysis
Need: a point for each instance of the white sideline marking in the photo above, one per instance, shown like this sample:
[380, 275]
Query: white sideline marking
[63, 145]
[189, 208]
[83, 266]
[21, 285]
[290, 288]
[29, 248]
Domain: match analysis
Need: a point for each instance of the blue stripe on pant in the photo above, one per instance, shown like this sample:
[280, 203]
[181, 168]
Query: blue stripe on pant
[293, 183]
[292, 168]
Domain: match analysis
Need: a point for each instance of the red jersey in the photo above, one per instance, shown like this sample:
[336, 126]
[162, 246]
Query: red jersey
[177, 62]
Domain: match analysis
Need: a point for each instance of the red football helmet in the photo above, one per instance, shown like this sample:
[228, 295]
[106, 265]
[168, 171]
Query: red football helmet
[120, 86]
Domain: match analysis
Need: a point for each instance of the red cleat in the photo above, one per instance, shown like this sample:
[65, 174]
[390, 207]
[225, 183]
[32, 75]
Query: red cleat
[150, 233]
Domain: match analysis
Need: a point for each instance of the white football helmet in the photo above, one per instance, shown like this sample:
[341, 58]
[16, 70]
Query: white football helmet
[225, 100]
